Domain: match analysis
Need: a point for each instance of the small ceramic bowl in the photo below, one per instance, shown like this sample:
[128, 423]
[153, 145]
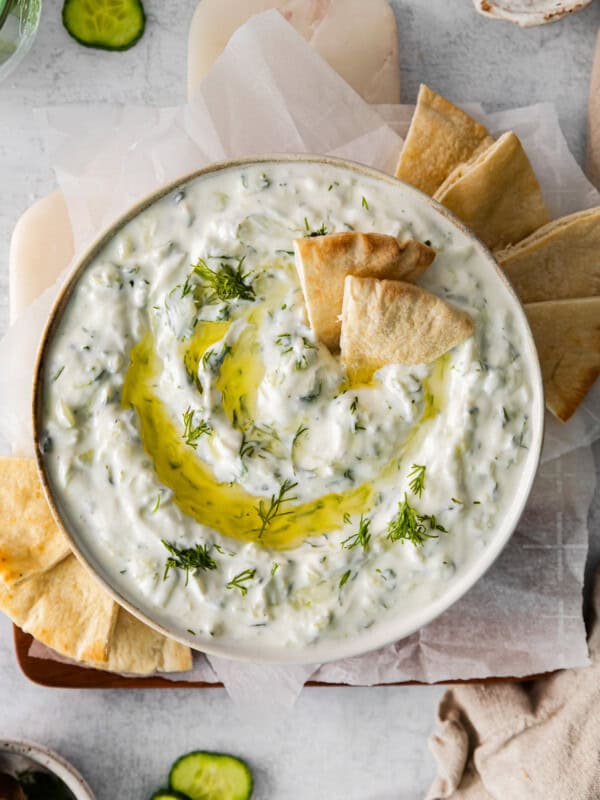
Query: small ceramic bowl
[379, 634]
[19, 755]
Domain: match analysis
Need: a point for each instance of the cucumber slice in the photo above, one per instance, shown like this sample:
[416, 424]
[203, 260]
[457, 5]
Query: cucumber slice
[211, 776]
[167, 794]
[104, 24]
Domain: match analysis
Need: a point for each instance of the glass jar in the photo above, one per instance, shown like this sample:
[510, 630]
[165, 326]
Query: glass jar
[19, 20]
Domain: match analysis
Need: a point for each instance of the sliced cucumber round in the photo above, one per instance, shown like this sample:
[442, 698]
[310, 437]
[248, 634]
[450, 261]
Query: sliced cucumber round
[105, 24]
[168, 794]
[211, 776]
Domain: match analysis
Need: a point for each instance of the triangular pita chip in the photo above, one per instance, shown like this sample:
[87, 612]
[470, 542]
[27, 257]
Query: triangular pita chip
[557, 262]
[496, 194]
[391, 322]
[30, 540]
[324, 261]
[137, 649]
[567, 337]
[65, 609]
[440, 137]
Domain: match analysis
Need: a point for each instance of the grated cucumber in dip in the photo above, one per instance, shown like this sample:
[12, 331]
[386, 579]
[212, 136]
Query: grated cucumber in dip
[211, 452]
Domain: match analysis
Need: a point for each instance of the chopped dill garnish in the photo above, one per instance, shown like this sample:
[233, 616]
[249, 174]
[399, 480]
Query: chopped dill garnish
[299, 432]
[227, 282]
[274, 568]
[457, 501]
[284, 340]
[361, 537]
[156, 504]
[189, 630]
[409, 526]
[188, 559]
[364, 203]
[248, 447]
[268, 513]
[354, 410]
[344, 578]
[191, 432]
[476, 502]
[239, 580]
[57, 374]
[219, 549]
[310, 234]
[417, 479]
[518, 440]
[505, 414]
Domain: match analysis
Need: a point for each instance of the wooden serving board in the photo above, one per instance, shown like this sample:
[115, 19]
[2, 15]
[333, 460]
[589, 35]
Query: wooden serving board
[57, 675]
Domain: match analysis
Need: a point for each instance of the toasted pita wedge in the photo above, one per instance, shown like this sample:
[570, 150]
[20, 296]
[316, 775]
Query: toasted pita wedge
[567, 337]
[137, 649]
[391, 322]
[65, 609]
[496, 194]
[440, 137]
[557, 262]
[324, 261]
[30, 540]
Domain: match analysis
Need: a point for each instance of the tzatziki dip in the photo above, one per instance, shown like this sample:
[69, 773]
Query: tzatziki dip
[209, 454]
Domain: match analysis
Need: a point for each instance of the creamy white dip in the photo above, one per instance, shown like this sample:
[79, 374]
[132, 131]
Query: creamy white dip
[140, 352]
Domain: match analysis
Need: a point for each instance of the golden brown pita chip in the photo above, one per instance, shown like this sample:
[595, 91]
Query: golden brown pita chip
[137, 649]
[391, 322]
[324, 261]
[567, 337]
[557, 262]
[496, 194]
[30, 540]
[65, 609]
[440, 137]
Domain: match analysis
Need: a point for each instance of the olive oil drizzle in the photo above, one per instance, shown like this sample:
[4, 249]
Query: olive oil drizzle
[226, 508]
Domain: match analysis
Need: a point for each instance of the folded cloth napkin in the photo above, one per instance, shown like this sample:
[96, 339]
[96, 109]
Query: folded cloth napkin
[523, 741]
[593, 129]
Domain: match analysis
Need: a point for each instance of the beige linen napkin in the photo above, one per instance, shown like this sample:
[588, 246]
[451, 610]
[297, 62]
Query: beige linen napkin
[523, 741]
[593, 129]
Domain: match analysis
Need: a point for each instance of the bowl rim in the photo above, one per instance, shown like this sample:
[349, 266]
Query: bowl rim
[331, 649]
[51, 761]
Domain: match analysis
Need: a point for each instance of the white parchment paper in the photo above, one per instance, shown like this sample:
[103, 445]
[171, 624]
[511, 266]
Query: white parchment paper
[269, 92]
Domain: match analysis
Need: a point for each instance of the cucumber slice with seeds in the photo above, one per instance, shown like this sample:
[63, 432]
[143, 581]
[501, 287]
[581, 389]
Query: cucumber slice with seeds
[211, 776]
[168, 794]
[104, 24]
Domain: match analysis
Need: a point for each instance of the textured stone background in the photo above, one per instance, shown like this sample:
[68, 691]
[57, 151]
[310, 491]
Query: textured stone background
[350, 744]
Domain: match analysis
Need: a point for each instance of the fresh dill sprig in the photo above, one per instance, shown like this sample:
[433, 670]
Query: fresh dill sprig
[417, 479]
[310, 234]
[187, 559]
[191, 432]
[267, 513]
[156, 504]
[239, 581]
[364, 203]
[226, 283]
[361, 537]
[410, 526]
[274, 568]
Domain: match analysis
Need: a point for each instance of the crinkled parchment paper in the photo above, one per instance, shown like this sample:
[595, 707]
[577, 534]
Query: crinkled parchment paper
[269, 93]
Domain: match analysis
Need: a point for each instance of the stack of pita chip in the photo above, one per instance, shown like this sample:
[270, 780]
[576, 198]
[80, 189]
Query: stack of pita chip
[553, 266]
[47, 593]
[360, 295]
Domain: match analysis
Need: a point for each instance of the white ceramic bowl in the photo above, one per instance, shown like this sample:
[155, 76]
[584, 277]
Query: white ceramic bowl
[17, 755]
[381, 633]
